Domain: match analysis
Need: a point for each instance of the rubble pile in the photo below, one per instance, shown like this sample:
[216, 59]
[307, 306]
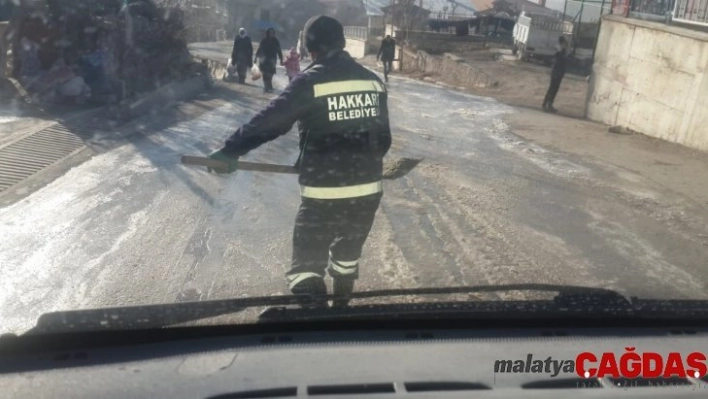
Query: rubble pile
[99, 50]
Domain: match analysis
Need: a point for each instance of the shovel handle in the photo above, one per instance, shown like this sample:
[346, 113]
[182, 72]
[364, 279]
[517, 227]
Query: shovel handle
[242, 165]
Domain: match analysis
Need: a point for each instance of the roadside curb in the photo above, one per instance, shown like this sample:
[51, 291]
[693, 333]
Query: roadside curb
[217, 69]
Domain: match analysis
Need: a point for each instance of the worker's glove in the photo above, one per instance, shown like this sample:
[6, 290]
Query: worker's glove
[232, 162]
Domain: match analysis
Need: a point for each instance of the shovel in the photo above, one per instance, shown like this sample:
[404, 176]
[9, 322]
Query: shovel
[394, 167]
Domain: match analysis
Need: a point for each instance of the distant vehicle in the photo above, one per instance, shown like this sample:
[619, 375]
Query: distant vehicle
[536, 36]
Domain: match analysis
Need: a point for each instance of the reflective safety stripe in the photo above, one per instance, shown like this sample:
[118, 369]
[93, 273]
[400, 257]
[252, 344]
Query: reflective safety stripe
[325, 193]
[347, 86]
[295, 279]
[344, 267]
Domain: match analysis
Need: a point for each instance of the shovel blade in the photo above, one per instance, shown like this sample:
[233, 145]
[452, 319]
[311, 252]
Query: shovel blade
[397, 167]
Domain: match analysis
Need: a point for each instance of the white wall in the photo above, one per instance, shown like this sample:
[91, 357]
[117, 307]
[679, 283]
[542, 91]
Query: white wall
[653, 79]
[356, 48]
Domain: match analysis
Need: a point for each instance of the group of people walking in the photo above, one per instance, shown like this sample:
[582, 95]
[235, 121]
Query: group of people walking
[269, 54]
[267, 57]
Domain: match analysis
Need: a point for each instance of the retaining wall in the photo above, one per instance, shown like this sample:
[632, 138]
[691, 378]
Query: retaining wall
[651, 78]
[450, 68]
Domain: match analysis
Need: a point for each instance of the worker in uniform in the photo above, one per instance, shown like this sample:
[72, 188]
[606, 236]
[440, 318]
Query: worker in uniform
[242, 55]
[557, 73]
[342, 115]
[387, 53]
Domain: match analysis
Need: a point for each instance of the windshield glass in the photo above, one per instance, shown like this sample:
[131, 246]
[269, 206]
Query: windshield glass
[162, 152]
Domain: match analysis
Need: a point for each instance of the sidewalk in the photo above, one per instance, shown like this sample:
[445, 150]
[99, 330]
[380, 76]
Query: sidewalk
[666, 165]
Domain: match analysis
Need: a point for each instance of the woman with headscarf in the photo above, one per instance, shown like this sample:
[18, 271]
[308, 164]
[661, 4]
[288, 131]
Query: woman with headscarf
[267, 56]
[242, 54]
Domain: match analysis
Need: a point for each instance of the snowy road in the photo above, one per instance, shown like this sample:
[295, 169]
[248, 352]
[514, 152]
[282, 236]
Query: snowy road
[133, 226]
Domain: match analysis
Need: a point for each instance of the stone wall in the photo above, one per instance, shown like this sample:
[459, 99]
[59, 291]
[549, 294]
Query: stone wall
[450, 69]
[440, 43]
[651, 78]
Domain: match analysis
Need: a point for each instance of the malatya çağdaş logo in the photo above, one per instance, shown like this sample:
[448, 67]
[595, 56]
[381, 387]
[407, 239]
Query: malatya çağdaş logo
[630, 364]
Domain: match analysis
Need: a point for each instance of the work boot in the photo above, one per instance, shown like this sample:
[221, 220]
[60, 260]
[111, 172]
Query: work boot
[343, 288]
[311, 293]
[550, 109]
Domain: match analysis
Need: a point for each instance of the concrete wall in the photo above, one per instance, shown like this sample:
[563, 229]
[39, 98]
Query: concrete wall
[450, 68]
[356, 47]
[653, 79]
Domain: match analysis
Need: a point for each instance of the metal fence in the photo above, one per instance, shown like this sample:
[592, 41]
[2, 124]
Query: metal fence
[691, 12]
[362, 32]
[358, 32]
[585, 16]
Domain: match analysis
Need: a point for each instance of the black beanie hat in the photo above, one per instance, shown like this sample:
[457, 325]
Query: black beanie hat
[324, 34]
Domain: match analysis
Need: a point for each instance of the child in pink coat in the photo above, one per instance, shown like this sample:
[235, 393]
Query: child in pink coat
[292, 64]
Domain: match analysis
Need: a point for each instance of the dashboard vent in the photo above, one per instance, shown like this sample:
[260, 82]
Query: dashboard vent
[262, 393]
[357, 389]
[569, 383]
[562, 383]
[278, 339]
[683, 332]
[350, 389]
[419, 335]
[62, 357]
[440, 386]
[554, 333]
[649, 382]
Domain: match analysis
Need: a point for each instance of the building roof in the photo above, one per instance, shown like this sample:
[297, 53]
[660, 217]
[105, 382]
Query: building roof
[373, 7]
[437, 6]
[482, 5]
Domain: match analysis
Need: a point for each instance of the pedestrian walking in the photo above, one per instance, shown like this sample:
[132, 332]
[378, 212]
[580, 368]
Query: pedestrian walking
[242, 54]
[557, 73]
[267, 56]
[387, 53]
[341, 111]
[292, 64]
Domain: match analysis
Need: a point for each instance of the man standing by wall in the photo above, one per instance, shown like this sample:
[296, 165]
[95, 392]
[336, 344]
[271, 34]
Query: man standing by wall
[387, 53]
[557, 73]
[242, 55]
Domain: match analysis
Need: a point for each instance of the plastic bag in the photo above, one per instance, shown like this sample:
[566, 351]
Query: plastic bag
[230, 68]
[74, 87]
[256, 73]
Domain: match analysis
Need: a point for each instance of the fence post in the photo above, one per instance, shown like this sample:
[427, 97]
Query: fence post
[597, 38]
[580, 25]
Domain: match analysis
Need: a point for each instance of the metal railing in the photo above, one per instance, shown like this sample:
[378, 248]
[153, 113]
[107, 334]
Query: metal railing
[376, 32]
[653, 10]
[362, 32]
[691, 12]
[358, 32]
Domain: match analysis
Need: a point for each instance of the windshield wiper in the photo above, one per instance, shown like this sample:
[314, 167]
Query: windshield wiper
[569, 299]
